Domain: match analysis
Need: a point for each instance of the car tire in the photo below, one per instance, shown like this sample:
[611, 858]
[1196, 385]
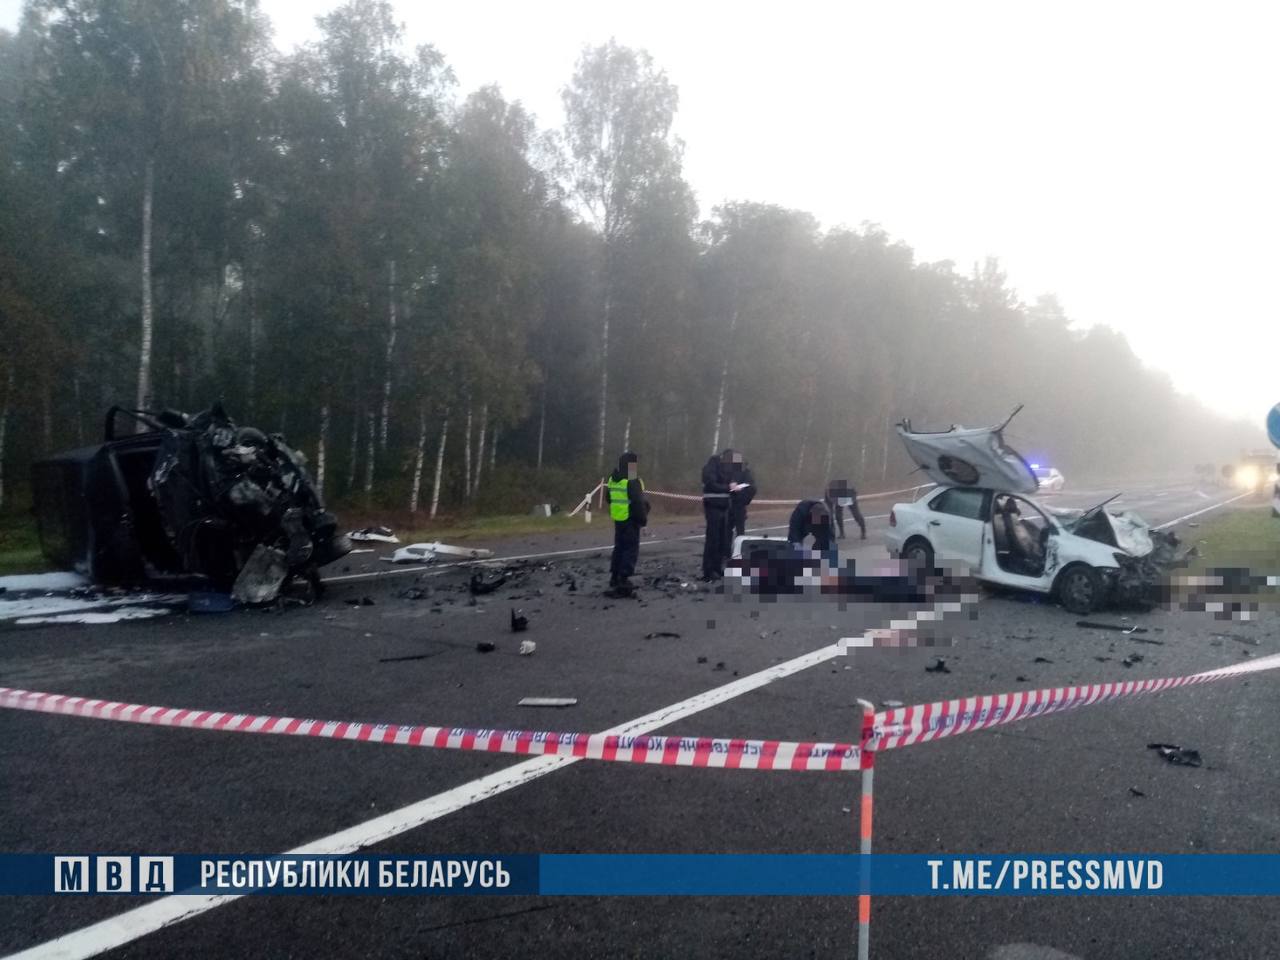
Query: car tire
[1079, 589]
[919, 550]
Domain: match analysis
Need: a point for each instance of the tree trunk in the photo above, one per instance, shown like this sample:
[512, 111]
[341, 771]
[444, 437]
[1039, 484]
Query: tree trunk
[466, 456]
[4, 425]
[391, 346]
[435, 487]
[542, 425]
[804, 442]
[75, 383]
[46, 417]
[484, 425]
[724, 383]
[862, 463]
[144, 352]
[418, 459]
[884, 459]
[353, 462]
[493, 450]
[626, 436]
[322, 450]
[370, 451]
[604, 382]
[826, 464]
[254, 334]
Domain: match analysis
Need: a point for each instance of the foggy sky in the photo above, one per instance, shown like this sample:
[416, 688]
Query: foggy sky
[1122, 156]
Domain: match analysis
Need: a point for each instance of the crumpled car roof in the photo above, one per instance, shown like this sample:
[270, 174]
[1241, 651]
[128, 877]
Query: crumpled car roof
[969, 457]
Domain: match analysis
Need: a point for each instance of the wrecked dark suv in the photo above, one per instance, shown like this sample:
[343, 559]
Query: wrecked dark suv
[193, 497]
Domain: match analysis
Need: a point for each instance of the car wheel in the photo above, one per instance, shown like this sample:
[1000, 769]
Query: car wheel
[1080, 589]
[919, 552]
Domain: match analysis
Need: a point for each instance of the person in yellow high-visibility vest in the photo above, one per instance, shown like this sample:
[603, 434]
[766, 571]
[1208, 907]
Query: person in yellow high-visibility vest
[630, 513]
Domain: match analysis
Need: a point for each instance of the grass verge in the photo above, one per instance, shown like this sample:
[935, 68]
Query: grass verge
[20, 545]
[1248, 537]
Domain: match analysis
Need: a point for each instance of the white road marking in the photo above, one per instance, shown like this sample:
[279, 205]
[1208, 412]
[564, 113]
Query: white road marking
[134, 924]
[1215, 506]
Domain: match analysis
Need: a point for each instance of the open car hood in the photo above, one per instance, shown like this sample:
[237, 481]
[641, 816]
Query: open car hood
[964, 457]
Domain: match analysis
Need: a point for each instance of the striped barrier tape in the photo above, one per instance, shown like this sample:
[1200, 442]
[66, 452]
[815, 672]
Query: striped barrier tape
[669, 751]
[903, 726]
[699, 497]
[898, 727]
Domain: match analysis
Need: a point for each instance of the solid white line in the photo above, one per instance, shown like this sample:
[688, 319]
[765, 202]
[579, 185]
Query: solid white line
[1205, 510]
[137, 923]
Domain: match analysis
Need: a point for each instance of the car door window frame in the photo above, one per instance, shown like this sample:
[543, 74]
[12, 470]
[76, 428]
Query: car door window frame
[937, 504]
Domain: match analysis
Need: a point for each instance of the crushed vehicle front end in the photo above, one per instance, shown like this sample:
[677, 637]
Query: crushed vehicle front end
[194, 498]
[1144, 558]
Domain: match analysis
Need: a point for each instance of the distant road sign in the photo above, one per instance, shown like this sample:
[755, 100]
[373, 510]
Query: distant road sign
[1273, 424]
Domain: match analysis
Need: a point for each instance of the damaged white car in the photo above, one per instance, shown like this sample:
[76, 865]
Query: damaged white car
[981, 517]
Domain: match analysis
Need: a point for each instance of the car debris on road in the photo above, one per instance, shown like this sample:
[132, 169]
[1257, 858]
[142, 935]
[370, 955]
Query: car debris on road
[1178, 756]
[430, 552]
[193, 497]
[374, 534]
[547, 702]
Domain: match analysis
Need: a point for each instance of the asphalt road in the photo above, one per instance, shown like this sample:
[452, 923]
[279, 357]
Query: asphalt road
[1063, 783]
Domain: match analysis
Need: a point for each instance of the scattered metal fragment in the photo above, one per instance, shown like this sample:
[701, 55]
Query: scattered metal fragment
[1021, 679]
[548, 702]
[1119, 628]
[1135, 792]
[415, 656]
[939, 665]
[519, 622]
[1131, 659]
[359, 601]
[718, 667]
[527, 647]
[415, 593]
[702, 659]
[486, 646]
[891, 704]
[662, 633]
[1042, 660]
[1179, 756]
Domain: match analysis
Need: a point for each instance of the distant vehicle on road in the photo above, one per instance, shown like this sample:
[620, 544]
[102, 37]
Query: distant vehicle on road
[981, 517]
[1049, 479]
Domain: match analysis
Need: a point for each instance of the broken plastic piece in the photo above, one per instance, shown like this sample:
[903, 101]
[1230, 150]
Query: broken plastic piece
[261, 578]
[205, 602]
[1179, 756]
[527, 647]
[662, 633]
[939, 666]
[1131, 659]
[548, 702]
[486, 646]
[519, 623]
[429, 552]
[374, 534]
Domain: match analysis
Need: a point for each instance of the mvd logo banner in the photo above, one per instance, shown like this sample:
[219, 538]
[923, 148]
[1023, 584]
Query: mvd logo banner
[703, 875]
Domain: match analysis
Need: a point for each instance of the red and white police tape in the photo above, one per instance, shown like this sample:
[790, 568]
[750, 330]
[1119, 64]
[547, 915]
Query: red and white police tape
[899, 727]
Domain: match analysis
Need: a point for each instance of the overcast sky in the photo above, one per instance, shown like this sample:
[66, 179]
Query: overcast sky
[1124, 156]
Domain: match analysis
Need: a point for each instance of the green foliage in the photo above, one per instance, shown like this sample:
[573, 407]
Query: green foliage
[334, 230]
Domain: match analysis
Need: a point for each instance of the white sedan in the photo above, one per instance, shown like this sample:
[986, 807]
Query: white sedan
[1008, 540]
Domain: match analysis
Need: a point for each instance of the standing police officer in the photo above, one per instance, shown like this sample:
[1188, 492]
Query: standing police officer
[630, 513]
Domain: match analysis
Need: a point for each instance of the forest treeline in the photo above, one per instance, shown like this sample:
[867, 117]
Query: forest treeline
[443, 304]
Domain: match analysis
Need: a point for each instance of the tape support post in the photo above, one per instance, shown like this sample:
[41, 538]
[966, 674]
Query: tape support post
[889, 730]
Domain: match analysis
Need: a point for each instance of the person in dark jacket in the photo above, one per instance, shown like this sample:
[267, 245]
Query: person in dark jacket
[630, 513]
[841, 494]
[739, 473]
[810, 518]
[715, 506]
